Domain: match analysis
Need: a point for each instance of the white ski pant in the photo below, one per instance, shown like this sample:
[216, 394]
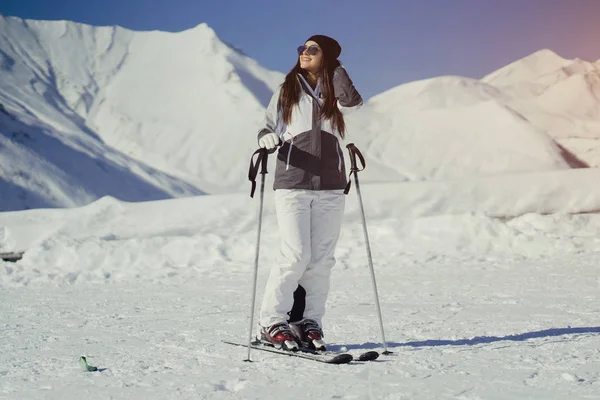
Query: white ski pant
[309, 226]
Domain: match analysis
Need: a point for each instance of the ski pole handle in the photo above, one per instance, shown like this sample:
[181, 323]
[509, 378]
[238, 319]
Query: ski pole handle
[264, 162]
[261, 162]
[354, 152]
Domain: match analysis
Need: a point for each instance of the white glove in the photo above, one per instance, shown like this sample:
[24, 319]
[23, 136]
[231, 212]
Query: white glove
[269, 141]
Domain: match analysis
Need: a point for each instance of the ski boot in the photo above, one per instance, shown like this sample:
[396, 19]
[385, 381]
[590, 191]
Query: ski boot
[279, 336]
[310, 334]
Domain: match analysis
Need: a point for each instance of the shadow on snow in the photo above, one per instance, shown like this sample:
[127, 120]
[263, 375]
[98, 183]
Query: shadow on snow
[87, 165]
[521, 337]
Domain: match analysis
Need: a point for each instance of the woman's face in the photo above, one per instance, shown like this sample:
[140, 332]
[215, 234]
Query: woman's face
[311, 62]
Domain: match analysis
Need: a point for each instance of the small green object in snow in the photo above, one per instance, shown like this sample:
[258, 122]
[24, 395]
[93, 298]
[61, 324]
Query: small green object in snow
[85, 365]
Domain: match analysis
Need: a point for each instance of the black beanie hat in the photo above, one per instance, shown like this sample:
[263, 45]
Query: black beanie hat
[330, 46]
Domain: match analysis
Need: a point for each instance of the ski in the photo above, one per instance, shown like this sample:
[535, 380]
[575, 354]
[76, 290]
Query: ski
[327, 357]
[340, 358]
[366, 356]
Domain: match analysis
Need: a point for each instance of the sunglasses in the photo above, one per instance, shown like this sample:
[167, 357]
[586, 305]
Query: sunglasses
[311, 50]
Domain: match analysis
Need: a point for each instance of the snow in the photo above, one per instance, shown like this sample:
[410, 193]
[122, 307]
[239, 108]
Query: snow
[148, 114]
[529, 68]
[557, 96]
[484, 236]
[456, 142]
[156, 115]
[487, 291]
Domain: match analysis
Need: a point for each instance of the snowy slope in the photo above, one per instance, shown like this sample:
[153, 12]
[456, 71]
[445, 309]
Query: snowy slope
[108, 227]
[187, 103]
[527, 69]
[483, 296]
[135, 115]
[451, 127]
[42, 167]
[558, 96]
[539, 113]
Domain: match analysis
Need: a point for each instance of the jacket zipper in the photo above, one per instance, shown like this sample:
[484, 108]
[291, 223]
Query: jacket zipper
[289, 155]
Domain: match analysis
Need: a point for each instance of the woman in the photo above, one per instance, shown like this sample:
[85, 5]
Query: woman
[305, 118]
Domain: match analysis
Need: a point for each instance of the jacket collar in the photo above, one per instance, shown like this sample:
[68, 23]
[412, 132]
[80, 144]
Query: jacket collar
[316, 93]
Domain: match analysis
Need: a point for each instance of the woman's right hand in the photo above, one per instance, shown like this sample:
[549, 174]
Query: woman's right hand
[269, 141]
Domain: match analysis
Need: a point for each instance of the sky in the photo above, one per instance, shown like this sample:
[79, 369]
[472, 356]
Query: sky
[385, 42]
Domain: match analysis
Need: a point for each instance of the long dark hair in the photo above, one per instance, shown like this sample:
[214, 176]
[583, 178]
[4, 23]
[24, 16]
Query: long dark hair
[290, 94]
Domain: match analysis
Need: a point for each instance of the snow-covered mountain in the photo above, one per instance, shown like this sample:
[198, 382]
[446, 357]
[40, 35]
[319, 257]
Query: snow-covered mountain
[558, 96]
[452, 128]
[93, 111]
[538, 113]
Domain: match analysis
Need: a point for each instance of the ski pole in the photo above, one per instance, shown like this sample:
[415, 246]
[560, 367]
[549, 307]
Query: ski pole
[261, 161]
[354, 152]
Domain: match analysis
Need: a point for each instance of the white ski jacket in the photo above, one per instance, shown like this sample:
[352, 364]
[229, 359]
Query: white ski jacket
[310, 157]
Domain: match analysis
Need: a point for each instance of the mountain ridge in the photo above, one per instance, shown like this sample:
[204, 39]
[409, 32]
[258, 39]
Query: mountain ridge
[185, 106]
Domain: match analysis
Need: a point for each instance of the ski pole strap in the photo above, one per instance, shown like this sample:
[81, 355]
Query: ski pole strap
[261, 160]
[354, 152]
